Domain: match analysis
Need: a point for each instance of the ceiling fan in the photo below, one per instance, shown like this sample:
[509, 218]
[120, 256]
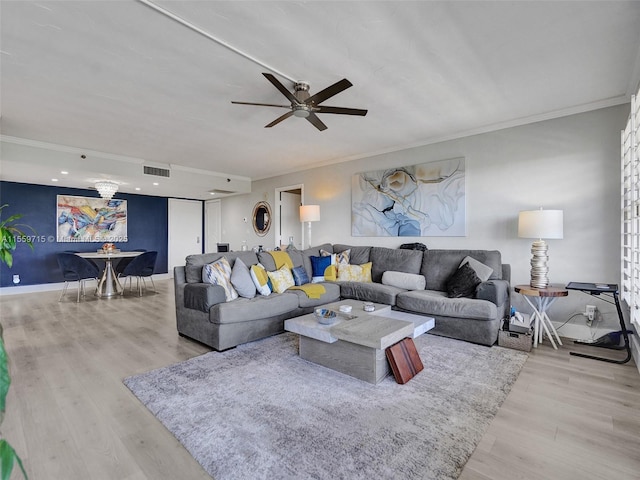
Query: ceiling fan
[305, 105]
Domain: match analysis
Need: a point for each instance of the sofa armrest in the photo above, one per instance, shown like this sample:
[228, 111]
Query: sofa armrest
[203, 296]
[495, 291]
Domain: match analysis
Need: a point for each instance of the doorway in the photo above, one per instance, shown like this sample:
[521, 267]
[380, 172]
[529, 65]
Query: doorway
[287, 216]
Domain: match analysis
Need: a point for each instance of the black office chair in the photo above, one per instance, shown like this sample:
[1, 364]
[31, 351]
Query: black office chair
[76, 269]
[140, 267]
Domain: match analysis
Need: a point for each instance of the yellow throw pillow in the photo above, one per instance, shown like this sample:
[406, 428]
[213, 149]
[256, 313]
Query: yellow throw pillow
[330, 273]
[281, 279]
[355, 273]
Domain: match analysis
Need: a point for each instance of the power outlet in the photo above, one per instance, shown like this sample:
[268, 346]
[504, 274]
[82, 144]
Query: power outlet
[16, 279]
[590, 313]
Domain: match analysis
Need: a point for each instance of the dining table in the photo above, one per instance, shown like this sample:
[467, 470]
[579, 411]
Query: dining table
[108, 285]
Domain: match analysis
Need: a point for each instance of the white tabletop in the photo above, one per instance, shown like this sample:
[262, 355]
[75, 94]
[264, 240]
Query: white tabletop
[108, 254]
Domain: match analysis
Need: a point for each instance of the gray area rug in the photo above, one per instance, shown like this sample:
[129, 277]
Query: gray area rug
[261, 412]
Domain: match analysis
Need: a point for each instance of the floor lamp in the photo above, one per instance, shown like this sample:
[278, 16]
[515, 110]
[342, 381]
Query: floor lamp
[309, 213]
[540, 224]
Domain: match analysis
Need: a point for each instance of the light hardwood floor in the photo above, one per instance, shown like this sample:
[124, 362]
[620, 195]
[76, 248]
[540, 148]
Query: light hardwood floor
[70, 416]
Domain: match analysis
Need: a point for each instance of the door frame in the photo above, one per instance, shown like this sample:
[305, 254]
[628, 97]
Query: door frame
[208, 205]
[276, 212]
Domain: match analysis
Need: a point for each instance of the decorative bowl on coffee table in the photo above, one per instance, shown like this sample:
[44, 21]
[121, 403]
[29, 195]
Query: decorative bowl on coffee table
[325, 316]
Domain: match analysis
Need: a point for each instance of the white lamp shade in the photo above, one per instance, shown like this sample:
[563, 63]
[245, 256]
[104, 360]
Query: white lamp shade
[310, 213]
[540, 224]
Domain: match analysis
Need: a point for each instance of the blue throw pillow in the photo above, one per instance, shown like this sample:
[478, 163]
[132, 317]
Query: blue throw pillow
[300, 276]
[318, 267]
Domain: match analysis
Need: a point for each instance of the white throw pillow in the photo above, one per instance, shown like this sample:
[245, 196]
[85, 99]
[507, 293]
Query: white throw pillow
[219, 273]
[408, 281]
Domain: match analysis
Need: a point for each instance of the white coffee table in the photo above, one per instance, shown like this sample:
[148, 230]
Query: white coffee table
[355, 343]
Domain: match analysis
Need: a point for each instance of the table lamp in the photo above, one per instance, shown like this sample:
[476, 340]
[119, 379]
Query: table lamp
[309, 213]
[540, 224]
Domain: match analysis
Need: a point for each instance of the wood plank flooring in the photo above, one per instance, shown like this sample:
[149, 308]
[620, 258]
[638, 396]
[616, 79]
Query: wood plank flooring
[70, 416]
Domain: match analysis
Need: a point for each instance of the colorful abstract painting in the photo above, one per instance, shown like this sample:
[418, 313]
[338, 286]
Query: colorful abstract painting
[416, 201]
[89, 219]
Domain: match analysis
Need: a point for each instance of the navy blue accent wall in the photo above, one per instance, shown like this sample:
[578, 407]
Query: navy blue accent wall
[147, 227]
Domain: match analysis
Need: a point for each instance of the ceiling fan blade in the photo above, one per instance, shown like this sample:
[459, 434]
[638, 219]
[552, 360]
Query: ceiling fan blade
[328, 92]
[261, 104]
[316, 122]
[342, 111]
[279, 119]
[276, 83]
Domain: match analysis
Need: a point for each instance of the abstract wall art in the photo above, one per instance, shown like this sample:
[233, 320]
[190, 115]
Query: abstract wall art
[421, 200]
[89, 219]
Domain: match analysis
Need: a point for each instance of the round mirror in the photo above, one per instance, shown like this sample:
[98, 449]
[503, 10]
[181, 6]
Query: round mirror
[261, 218]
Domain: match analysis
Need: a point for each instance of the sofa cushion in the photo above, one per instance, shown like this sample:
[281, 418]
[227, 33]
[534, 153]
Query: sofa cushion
[355, 273]
[202, 296]
[407, 281]
[370, 292]
[398, 260]
[194, 263]
[241, 279]
[463, 282]
[331, 294]
[248, 310]
[219, 273]
[357, 254]
[436, 303]
[439, 265]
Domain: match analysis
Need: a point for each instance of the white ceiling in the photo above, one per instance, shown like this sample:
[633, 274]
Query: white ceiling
[120, 78]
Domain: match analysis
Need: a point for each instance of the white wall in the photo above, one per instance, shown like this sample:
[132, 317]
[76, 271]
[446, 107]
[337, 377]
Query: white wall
[571, 163]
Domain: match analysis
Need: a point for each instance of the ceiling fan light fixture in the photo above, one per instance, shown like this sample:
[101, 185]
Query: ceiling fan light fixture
[301, 112]
[106, 189]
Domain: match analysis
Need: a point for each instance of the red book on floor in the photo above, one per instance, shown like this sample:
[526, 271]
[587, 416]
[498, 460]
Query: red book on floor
[404, 360]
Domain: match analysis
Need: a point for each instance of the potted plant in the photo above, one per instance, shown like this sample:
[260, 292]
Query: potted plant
[9, 231]
[8, 456]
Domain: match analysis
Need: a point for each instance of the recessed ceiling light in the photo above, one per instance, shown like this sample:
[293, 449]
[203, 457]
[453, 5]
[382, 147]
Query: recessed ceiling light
[64, 172]
[212, 193]
[156, 183]
[137, 189]
[54, 179]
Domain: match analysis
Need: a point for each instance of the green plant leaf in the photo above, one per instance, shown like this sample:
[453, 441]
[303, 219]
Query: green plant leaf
[5, 379]
[6, 257]
[7, 457]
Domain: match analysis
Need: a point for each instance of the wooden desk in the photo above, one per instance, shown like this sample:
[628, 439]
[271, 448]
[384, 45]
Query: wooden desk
[543, 298]
[108, 285]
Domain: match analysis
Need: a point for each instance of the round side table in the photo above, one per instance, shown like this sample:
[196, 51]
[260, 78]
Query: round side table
[540, 299]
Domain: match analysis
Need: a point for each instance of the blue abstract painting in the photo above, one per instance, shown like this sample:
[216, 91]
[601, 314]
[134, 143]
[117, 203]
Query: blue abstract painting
[89, 219]
[421, 200]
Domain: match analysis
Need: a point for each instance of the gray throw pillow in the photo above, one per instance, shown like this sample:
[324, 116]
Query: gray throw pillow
[463, 282]
[241, 280]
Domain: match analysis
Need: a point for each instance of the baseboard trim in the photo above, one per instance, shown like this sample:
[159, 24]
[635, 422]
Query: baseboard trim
[52, 287]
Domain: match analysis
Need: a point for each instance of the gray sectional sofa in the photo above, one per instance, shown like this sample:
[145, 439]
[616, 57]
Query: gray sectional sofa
[203, 314]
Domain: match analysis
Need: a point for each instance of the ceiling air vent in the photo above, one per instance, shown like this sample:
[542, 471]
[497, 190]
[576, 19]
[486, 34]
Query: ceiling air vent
[158, 172]
[217, 190]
